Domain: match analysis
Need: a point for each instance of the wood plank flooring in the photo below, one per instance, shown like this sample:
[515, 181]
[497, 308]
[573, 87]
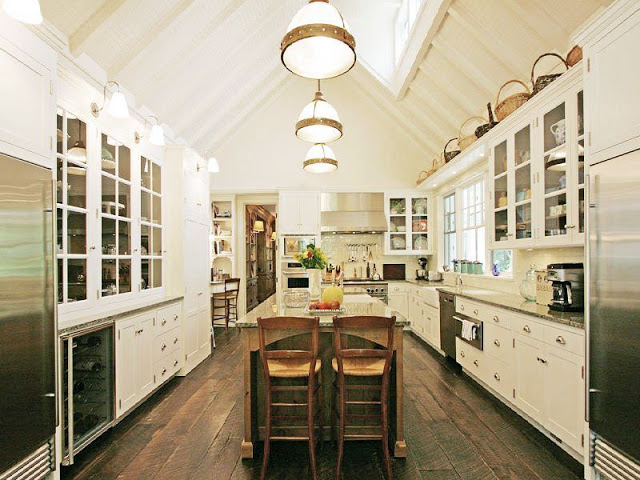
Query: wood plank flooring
[192, 429]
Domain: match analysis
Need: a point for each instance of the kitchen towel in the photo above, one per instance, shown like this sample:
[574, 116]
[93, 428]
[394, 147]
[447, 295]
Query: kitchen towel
[469, 330]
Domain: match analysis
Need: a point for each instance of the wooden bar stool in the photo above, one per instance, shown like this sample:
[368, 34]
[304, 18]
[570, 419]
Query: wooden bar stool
[363, 362]
[227, 301]
[284, 367]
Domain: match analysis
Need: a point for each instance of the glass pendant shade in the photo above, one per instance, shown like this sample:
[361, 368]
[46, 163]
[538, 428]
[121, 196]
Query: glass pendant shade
[319, 122]
[25, 11]
[320, 159]
[118, 106]
[214, 167]
[156, 137]
[318, 44]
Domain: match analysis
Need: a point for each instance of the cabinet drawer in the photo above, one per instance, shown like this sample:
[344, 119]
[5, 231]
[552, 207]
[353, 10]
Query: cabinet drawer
[498, 342]
[527, 327]
[168, 367]
[397, 288]
[168, 318]
[564, 340]
[471, 309]
[166, 343]
[499, 318]
[499, 376]
[470, 358]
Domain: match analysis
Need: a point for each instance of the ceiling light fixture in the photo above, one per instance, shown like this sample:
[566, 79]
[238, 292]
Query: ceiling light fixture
[214, 166]
[26, 11]
[318, 43]
[320, 159]
[319, 121]
[117, 106]
[156, 136]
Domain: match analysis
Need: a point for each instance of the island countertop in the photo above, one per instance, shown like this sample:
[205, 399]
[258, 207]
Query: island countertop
[355, 304]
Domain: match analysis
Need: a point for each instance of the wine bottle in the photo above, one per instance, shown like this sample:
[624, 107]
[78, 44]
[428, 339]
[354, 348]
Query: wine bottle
[88, 366]
[78, 386]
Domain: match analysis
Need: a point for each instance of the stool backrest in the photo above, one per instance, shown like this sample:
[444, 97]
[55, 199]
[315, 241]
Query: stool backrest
[231, 287]
[381, 327]
[271, 330]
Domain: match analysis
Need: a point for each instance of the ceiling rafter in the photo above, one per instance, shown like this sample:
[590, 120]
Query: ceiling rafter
[434, 101]
[80, 38]
[460, 99]
[435, 127]
[143, 43]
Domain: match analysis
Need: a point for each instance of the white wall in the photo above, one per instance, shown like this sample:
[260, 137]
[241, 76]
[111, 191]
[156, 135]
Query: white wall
[264, 154]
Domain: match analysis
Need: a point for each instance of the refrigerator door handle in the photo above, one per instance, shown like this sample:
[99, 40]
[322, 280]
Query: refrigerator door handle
[587, 337]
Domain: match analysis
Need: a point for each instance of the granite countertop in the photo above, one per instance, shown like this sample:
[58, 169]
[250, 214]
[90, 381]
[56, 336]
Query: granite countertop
[517, 304]
[356, 304]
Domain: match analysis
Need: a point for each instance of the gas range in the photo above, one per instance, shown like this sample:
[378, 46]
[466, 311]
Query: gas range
[375, 288]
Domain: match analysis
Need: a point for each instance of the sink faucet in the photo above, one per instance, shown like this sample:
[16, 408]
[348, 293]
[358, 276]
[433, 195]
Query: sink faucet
[458, 283]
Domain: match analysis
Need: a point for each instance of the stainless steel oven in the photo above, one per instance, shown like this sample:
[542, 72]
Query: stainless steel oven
[295, 245]
[294, 276]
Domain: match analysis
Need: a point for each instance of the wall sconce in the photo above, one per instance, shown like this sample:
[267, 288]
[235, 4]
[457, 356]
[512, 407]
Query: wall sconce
[117, 106]
[214, 167]
[156, 135]
[258, 226]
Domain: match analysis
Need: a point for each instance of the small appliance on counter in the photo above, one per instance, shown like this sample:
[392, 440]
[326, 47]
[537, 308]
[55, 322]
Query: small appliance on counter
[435, 276]
[567, 284]
[422, 273]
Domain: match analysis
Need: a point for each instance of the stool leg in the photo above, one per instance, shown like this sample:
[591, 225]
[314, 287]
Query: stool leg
[226, 315]
[267, 433]
[311, 425]
[343, 408]
[385, 426]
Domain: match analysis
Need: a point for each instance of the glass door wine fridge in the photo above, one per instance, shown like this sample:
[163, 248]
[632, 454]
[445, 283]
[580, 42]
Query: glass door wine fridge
[88, 386]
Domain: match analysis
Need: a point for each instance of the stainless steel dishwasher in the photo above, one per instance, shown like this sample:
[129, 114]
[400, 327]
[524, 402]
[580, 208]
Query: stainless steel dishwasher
[448, 324]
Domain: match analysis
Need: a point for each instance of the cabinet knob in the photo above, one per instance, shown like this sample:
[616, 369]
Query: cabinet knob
[496, 342]
[496, 319]
[569, 226]
[164, 370]
[175, 317]
[164, 347]
[175, 363]
[175, 340]
[475, 312]
[164, 322]
[461, 307]
[462, 353]
[561, 340]
[510, 235]
[527, 328]
[542, 360]
[496, 376]
[475, 362]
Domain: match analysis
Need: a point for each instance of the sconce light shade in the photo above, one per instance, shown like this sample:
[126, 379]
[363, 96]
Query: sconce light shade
[214, 167]
[258, 226]
[156, 137]
[25, 11]
[118, 106]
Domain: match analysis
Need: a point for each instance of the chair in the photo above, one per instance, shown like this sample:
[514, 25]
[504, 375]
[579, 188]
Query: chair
[284, 367]
[360, 363]
[227, 301]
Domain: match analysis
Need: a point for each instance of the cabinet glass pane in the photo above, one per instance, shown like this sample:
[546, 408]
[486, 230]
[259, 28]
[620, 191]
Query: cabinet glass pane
[76, 186]
[555, 175]
[419, 206]
[580, 165]
[124, 276]
[501, 226]
[109, 236]
[157, 178]
[157, 273]
[523, 146]
[60, 280]
[145, 207]
[500, 190]
[397, 206]
[76, 280]
[124, 162]
[420, 242]
[523, 221]
[76, 141]
[556, 215]
[109, 195]
[554, 128]
[145, 266]
[76, 233]
[60, 232]
[59, 183]
[124, 200]
[157, 209]
[124, 238]
[60, 132]
[523, 183]
[145, 240]
[108, 157]
[109, 278]
[581, 209]
[157, 242]
[500, 159]
[145, 173]
[580, 113]
[398, 241]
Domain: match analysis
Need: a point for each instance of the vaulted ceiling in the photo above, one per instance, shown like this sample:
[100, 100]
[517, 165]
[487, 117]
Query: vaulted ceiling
[203, 66]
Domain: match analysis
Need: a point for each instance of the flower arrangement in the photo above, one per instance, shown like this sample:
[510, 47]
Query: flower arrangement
[312, 257]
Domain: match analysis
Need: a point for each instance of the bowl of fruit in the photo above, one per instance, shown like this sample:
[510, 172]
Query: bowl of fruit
[331, 303]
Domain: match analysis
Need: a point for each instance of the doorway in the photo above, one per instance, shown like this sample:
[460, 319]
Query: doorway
[260, 253]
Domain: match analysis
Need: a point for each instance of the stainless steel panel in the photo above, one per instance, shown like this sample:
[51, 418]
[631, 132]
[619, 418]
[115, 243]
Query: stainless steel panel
[353, 212]
[27, 310]
[614, 310]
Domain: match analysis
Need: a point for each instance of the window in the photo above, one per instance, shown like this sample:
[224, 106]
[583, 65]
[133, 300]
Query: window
[151, 224]
[503, 259]
[473, 231]
[407, 14]
[450, 229]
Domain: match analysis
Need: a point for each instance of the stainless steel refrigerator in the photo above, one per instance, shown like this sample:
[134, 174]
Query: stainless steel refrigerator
[613, 320]
[27, 318]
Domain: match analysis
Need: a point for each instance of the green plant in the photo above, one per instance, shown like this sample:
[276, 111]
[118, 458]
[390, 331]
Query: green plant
[312, 257]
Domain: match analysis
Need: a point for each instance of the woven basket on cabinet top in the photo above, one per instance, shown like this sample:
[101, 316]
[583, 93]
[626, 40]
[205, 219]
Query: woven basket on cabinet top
[506, 107]
[450, 155]
[424, 174]
[465, 141]
[483, 129]
[574, 56]
[544, 80]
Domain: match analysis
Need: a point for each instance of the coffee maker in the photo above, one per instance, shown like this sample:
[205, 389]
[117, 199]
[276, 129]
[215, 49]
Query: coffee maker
[421, 273]
[567, 283]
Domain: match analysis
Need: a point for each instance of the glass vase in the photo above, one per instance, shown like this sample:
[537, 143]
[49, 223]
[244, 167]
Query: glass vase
[315, 283]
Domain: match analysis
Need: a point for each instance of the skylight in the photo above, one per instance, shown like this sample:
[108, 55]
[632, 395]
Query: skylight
[405, 20]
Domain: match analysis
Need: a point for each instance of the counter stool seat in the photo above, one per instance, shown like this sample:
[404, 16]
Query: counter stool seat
[361, 367]
[291, 368]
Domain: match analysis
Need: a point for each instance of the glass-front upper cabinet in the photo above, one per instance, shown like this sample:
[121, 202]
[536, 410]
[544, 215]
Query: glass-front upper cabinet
[397, 215]
[71, 199]
[420, 241]
[500, 196]
[523, 184]
[408, 224]
[151, 224]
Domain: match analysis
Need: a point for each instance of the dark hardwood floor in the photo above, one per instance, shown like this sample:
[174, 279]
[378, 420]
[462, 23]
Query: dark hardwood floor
[192, 428]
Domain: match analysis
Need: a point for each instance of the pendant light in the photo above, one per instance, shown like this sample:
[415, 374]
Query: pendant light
[117, 106]
[78, 153]
[319, 121]
[25, 11]
[557, 161]
[320, 159]
[318, 43]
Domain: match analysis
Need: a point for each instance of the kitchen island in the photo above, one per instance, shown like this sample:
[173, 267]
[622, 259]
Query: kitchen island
[357, 304]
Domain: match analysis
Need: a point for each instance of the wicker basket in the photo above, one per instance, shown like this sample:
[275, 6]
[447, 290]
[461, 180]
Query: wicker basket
[506, 107]
[465, 141]
[544, 80]
[450, 155]
[574, 56]
[424, 174]
[483, 129]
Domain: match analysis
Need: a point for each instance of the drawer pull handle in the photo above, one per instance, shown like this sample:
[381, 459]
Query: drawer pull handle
[527, 328]
[164, 322]
[496, 342]
[475, 312]
[175, 340]
[461, 307]
[496, 376]
[475, 362]
[542, 360]
[462, 354]
[561, 340]
[164, 347]
[164, 370]
[175, 363]
[496, 319]
[175, 317]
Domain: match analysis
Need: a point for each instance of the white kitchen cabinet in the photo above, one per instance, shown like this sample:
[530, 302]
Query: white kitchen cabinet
[408, 227]
[299, 213]
[611, 81]
[530, 377]
[27, 84]
[398, 299]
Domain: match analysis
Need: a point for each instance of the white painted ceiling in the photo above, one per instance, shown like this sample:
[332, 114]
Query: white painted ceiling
[204, 66]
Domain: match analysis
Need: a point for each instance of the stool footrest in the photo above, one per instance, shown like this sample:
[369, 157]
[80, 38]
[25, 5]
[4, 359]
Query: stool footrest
[292, 439]
[282, 404]
[359, 402]
[355, 436]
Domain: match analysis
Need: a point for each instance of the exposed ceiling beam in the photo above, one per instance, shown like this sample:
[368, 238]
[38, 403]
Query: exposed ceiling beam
[80, 38]
[427, 114]
[143, 42]
[437, 101]
[459, 97]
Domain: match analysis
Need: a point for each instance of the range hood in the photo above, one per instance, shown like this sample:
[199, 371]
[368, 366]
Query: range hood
[353, 213]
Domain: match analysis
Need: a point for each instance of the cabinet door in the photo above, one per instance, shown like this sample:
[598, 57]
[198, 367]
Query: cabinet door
[530, 377]
[309, 212]
[204, 333]
[523, 176]
[500, 193]
[144, 354]
[434, 320]
[288, 213]
[396, 301]
[126, 386]
[612, 83]
[191, 337]
[564, 394]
